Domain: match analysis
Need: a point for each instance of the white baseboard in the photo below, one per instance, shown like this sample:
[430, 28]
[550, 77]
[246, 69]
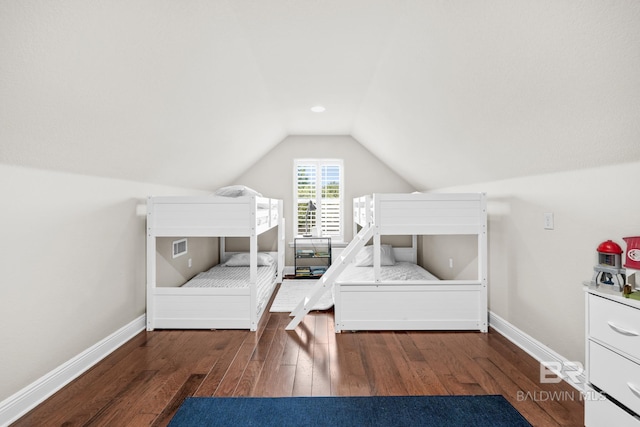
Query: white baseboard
[534, 348]
[35, 393]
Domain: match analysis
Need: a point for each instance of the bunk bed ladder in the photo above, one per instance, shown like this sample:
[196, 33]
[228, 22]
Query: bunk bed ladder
[329, 277]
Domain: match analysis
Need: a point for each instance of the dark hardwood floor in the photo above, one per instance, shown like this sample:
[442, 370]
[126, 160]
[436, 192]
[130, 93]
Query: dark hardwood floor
[143, 382]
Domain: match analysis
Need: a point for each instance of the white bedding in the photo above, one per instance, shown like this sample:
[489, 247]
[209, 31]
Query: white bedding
[220, 276]
[399, 271]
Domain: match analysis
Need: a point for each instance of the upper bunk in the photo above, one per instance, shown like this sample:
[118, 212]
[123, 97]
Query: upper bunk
[213, 216]
[422, 213]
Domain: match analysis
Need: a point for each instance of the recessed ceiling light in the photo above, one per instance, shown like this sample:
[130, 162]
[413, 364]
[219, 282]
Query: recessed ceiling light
[318, 109]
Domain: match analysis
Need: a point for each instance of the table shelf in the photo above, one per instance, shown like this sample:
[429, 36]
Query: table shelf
[312, 256]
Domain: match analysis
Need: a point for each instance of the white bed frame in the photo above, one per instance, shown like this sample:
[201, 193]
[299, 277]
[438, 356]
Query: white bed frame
[210, 216]
[424, 304]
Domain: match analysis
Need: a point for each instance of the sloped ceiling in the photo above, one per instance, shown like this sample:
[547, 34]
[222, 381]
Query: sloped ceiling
[192, 93]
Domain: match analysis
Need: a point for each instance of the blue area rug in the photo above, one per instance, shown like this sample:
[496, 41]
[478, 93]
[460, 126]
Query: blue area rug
[490, 411]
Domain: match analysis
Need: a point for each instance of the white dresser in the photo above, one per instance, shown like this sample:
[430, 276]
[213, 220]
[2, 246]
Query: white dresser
[612, 360]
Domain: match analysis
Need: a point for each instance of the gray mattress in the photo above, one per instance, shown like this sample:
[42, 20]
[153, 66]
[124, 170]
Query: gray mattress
[220, 276]
[399, 271]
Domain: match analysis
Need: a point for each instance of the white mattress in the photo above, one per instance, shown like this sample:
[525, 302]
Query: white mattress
[399, 271]
[220, 276]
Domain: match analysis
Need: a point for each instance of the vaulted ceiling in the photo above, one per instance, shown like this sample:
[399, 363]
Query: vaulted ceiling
[192, 93]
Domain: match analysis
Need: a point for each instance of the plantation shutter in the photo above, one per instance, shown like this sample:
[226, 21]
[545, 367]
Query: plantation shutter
[318, 196]
[306, 193]
[330, 200]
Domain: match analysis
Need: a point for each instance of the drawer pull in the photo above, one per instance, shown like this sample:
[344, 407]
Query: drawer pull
[622, 330]
[634, 389]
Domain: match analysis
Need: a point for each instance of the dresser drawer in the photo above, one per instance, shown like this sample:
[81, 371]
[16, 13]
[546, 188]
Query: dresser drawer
[615, 324]
[618, 376]
[599, 412]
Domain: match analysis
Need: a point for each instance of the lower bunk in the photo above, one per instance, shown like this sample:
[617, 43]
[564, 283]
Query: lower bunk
[219, 298]
[407, 297]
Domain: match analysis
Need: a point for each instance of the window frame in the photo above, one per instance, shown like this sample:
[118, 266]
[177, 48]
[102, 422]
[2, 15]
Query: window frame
[318, 163]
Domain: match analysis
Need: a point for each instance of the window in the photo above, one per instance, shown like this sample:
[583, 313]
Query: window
[318, 197]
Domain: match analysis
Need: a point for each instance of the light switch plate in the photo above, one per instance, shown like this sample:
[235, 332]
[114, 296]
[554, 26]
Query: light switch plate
[548, 220]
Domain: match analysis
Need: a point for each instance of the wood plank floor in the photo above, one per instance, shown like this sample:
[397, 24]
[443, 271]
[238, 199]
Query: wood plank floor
[143, 382]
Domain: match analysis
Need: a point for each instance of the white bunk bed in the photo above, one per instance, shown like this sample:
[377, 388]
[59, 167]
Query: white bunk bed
[395, 298]
[238, 298]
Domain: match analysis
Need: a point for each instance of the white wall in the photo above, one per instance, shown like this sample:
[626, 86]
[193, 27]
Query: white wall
[72, 265]
[363, 174]
[536, 275]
